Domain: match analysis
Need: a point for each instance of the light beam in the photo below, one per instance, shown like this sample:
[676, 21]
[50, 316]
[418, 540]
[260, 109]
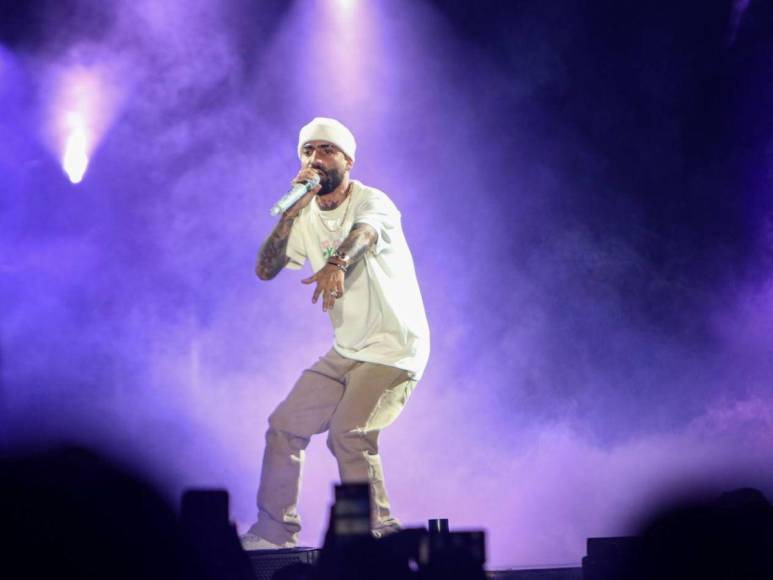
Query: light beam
[75, 159]
[83, 103]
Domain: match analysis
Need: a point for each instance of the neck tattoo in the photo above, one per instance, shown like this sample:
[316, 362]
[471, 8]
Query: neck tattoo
[330, 206]
[340, 224]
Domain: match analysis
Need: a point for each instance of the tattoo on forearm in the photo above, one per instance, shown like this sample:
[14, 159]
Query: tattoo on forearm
[272, 256]
[361, 238]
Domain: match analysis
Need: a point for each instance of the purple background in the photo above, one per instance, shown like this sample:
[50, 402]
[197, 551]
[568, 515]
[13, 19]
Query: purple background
[585, 189]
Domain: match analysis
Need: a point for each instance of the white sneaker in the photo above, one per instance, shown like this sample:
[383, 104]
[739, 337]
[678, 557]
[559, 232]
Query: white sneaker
[252, 542]
[385, 531]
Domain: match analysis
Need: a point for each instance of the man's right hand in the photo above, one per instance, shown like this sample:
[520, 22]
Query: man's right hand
[305, 174]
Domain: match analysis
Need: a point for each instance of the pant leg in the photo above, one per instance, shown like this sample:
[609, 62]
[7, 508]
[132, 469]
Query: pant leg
[306, 411]
[374, 397]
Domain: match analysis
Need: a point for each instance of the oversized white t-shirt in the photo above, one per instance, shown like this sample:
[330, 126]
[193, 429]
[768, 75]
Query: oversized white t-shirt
[380, 317]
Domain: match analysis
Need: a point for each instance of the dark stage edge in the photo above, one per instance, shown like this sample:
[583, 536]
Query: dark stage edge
[537, 573]
[266, 562]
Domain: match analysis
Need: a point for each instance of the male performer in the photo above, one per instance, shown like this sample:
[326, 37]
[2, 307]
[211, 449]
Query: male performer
[352, 236]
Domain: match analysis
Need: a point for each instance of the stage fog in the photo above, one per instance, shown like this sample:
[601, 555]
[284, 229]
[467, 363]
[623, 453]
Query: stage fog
[586, 193]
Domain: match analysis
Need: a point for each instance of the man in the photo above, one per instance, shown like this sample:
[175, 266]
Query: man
[364, 276]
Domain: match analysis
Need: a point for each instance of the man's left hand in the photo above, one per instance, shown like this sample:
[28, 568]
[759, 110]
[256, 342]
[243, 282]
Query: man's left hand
[330, 284]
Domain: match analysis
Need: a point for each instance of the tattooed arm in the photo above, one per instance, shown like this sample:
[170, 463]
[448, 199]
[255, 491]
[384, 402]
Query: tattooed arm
[361, 238]
[330, 279]
[272, 256]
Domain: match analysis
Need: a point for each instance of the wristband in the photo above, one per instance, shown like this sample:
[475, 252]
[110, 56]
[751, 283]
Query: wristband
[339, 265]
[343, 257]
[339, 260]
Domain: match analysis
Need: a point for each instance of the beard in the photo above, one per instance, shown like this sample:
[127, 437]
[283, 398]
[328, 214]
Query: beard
[329, 181]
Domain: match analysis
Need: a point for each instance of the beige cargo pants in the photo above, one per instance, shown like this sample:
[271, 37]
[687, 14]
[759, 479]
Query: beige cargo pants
[353, 401]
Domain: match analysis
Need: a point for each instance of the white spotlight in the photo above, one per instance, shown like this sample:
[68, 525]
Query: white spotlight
[75, 159]
[345, 8]
[82, 103]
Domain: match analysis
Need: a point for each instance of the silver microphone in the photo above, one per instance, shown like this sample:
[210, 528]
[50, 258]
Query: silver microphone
[296, 193]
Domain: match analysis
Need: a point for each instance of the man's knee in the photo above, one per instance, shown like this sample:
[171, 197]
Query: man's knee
[279, 420]
[280, 430]
[345, 438]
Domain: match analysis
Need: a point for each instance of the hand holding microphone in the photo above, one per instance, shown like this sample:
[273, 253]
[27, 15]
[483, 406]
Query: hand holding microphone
[305, 187]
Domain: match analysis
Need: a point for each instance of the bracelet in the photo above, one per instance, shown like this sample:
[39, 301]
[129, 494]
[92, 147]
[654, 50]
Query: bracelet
[340, 265]
[342, 258]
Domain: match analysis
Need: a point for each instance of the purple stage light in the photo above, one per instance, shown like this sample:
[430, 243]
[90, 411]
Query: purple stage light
[344, 38]
[551, 410]
[83, 103]
[739, 9]
[345, 9]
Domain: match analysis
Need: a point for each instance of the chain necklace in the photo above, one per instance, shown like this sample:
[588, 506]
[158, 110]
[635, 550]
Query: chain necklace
[346, 213]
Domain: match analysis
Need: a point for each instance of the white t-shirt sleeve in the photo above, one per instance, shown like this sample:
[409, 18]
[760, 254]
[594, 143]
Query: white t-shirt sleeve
[295, 249]
[378, 211]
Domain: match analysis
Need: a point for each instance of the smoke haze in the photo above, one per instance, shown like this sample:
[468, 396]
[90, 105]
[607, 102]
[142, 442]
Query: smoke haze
[585, 193]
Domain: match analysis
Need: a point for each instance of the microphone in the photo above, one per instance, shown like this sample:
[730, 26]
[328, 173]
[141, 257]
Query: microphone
[296, 193]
